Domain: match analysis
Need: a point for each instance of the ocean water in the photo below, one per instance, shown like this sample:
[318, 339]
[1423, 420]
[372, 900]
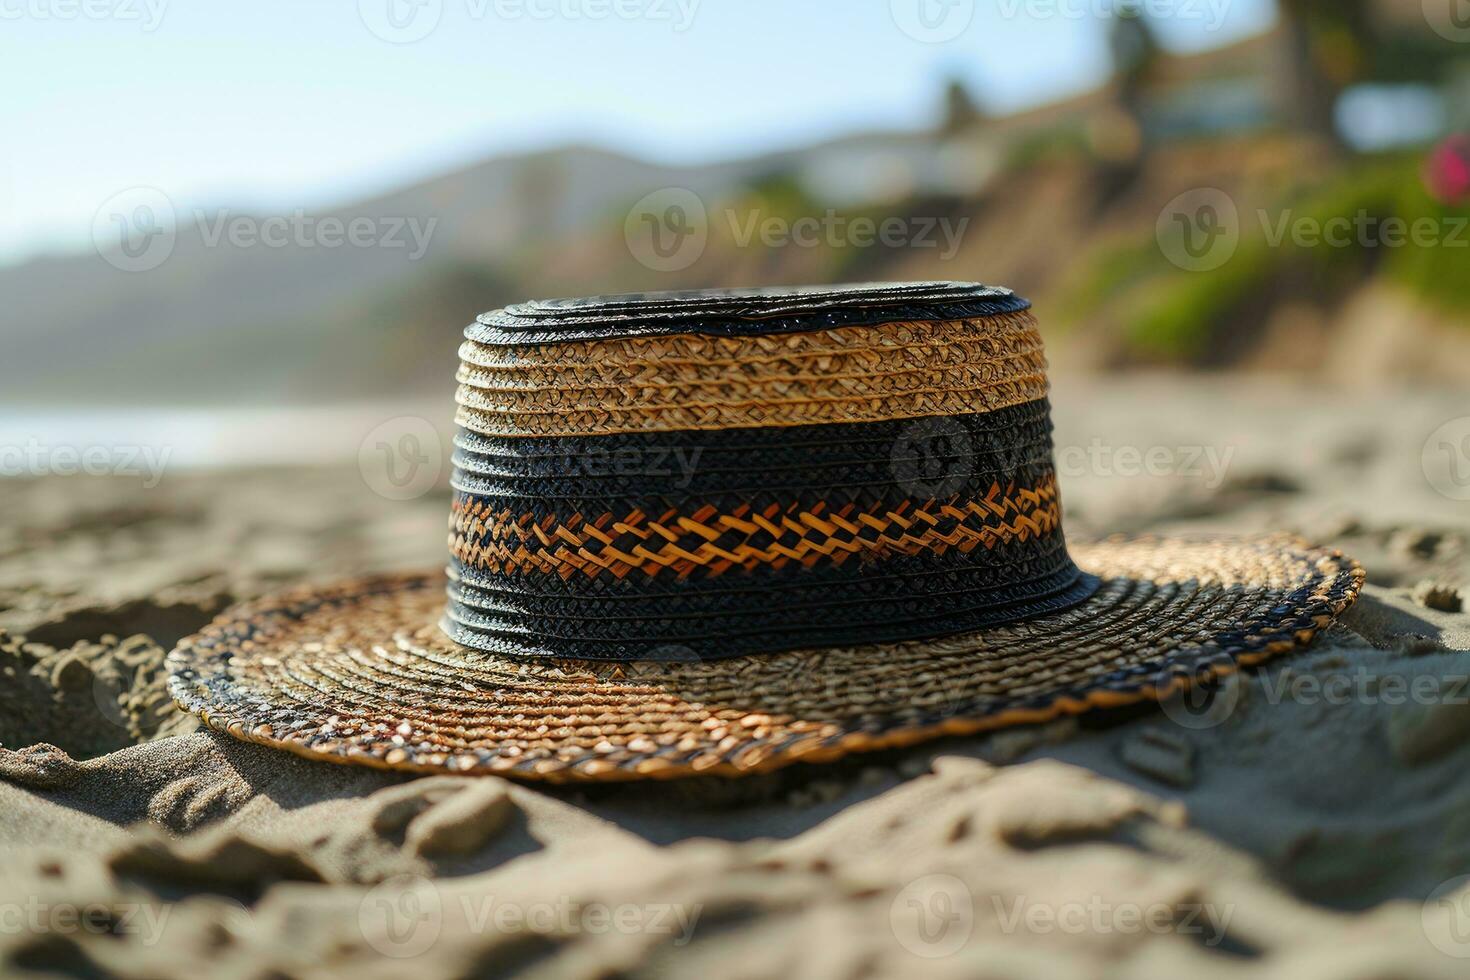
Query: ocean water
[144, 441]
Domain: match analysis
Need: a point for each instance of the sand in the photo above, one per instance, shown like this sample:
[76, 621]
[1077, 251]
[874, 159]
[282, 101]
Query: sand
[1312, 820]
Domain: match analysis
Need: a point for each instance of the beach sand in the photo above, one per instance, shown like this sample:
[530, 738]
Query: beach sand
[1312, 821]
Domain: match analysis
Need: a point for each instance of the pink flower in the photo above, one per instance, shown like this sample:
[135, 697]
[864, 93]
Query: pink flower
[1447, 170]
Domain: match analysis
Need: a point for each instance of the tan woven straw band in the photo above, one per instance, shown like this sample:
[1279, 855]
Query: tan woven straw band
[686, 382]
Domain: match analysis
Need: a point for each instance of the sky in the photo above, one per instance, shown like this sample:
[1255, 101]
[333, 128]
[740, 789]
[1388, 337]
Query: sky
[280, 104]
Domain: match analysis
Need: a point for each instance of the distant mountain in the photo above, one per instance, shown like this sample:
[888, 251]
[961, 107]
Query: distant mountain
[216, 320]
[1060, 203]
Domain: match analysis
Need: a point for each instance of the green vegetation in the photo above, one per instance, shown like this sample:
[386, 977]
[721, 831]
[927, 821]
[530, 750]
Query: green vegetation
[1373, 219]
[1063, 144]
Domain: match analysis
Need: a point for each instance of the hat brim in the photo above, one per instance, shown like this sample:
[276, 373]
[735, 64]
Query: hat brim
[360, 672]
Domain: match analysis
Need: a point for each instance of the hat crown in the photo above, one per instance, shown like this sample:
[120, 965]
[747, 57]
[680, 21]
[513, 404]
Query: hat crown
[723, 472]
[756, 310]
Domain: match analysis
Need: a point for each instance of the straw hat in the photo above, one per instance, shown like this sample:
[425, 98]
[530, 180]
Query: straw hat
[725, 531]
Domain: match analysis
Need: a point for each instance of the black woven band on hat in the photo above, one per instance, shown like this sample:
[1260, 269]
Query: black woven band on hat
[735, 312]
[722, 543]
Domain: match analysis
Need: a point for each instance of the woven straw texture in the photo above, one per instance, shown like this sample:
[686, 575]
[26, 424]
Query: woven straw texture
[682, 382]
[760, 540]
[861, 462]
[360, 672]
[680, 545]
[739, 312]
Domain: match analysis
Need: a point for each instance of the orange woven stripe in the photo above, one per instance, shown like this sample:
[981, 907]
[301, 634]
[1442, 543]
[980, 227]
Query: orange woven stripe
[683, 544]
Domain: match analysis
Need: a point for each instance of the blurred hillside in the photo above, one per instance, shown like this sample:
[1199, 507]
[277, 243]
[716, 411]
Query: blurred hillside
[1341, 113]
